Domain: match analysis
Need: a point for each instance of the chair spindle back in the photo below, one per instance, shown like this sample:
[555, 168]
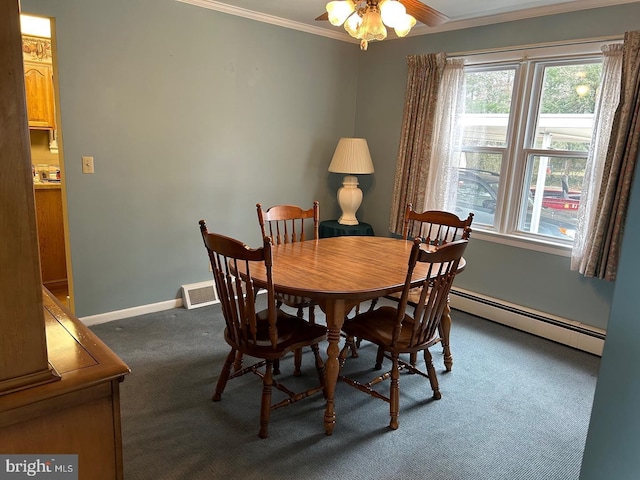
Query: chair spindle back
[442, 266]
[286, 223]
[435, 227]
[231, 265]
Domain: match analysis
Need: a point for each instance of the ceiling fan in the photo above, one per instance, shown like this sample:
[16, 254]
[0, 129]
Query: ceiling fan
[367, 20]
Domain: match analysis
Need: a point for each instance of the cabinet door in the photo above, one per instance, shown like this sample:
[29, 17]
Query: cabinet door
[38, 79]
[51, 235]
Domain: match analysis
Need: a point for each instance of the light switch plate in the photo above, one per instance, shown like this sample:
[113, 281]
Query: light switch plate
[87, 164]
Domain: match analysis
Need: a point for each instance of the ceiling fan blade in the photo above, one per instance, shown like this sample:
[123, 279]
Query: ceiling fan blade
[324, 16]
[424, 13]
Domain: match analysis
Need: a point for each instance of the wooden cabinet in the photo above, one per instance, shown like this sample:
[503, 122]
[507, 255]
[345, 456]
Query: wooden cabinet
[53, 262]
[77, 414]
[38, 79]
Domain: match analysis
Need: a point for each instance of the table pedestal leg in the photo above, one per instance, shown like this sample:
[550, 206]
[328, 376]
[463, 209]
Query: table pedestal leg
[445, 330]
[335, 312]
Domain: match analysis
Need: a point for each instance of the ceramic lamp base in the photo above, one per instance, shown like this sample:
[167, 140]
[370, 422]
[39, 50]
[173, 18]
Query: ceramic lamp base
[349, 199]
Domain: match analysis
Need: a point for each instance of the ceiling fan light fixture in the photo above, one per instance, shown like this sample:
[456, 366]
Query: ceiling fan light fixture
[339, 11]
[368, 20]
[392, 13]
[403, 28]
[372, 27]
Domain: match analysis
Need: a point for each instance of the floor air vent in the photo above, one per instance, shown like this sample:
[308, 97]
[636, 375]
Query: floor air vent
[197, 295]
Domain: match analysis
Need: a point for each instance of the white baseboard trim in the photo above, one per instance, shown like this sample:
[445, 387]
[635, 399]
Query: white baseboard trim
[131, 312]
[567, 332]
[135, 311]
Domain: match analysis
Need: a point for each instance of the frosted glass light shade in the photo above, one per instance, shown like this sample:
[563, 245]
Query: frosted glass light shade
[351, 156]
[339, 11]
[392, 12]
[404, 26]
[352, 24]
[372, 27]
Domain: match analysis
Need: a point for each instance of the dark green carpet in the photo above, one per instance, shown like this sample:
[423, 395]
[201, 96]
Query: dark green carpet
[514, 407]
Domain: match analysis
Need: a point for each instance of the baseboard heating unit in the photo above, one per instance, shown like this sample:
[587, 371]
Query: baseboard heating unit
[567, 332]
[195, 295]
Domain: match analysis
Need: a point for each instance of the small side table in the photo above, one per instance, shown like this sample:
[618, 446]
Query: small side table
[331, 228]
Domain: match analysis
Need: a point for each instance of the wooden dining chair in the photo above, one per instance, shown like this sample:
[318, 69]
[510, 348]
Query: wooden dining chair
[266, 335]
[396, 332]
[290, 224]
[433, 227]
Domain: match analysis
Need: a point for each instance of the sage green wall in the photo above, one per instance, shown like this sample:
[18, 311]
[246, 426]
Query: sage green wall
[189, 114]
[192, 113]
[524, 277]
[613, 441]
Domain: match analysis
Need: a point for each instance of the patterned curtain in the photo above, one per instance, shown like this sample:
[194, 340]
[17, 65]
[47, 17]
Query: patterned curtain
[603, 249]
[606, 106]
[412, 164]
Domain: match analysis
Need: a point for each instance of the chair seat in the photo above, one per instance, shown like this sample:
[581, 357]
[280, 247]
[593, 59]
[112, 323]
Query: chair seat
[293, 333]
[376, 326]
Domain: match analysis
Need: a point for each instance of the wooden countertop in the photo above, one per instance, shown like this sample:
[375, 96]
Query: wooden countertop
[47, 186]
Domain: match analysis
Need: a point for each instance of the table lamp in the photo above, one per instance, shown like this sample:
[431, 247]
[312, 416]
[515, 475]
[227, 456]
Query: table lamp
[351, 157]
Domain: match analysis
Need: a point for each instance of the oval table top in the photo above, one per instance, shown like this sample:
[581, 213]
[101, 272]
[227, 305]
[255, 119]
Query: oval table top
[356, 267]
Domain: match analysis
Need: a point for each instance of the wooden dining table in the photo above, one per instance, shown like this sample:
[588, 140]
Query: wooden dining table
[339, 273]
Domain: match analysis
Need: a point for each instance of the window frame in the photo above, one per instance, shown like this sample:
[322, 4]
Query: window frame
[529, 63]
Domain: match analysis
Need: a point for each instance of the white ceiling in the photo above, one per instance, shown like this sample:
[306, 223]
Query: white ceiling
[301, 14]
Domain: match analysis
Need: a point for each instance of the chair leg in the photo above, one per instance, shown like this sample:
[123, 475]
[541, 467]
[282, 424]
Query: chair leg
[265, 406]
[348, 345]
[373, 304]
[379, 358]
[297, 362]
[394, 396]
[322, 376]
[224, 376]
[413, 359]
[445, 330]
[431, 371]
[297, 354]
[237, 363]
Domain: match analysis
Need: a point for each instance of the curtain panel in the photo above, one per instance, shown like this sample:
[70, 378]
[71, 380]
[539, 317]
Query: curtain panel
[603, 251]
[607, 104]
[446, 143]
[414, 153]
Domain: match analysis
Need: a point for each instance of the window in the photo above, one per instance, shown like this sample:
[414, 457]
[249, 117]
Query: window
[526, 131]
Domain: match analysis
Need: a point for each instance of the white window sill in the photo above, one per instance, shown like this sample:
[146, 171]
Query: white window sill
[521, 241]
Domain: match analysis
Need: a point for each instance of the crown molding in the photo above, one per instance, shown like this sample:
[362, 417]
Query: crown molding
[567, 7]
[273, 20]
[339, 34]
